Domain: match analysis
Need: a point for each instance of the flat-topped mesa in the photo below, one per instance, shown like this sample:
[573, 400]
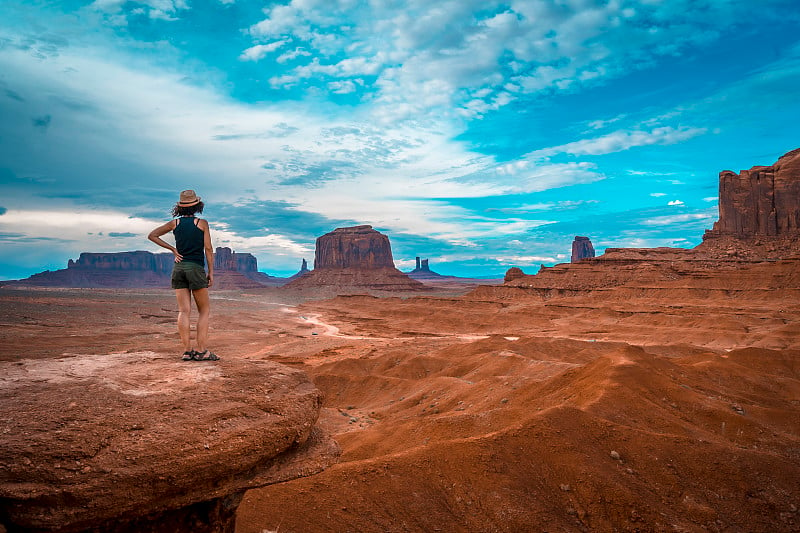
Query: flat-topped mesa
[581, 249]
[141, 269]
[354, 258]
[139, 260]
[355, 247]
[762, 201]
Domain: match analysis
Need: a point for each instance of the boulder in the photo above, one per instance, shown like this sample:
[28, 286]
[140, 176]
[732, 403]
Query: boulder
[142, 442]
[513, 273]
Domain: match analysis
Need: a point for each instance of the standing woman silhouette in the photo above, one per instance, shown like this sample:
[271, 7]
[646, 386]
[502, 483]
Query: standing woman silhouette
[193, 251]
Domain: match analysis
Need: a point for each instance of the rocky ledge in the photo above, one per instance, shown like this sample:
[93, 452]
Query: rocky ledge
[143, 442]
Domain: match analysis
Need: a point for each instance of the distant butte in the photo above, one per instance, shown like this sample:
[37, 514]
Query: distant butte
[353, 259]
[581, 249]
[143, 269]
[759, 221]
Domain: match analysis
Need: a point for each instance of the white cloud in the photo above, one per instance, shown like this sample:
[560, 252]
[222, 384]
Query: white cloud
[619, 141]
[458, 46]
[658, 194]
[259, 51]
[675, 202]
[293, 54]
[671, 220]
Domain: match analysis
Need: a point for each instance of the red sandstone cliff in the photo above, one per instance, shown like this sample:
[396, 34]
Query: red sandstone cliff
[760, 201]
[759, 221]
[352, 259]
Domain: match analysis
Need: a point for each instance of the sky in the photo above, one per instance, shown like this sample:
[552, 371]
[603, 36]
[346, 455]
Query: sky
[479, 134]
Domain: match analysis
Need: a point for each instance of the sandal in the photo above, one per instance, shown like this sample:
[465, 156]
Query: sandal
[188, 355]
[205, 355]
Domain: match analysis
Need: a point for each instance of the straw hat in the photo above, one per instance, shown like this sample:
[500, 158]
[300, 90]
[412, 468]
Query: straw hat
[188, 199]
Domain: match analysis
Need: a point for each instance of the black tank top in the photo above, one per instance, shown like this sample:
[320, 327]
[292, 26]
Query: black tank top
[189, 240]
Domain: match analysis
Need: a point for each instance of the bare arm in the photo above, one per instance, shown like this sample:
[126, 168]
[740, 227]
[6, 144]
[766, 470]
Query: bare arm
[156, 234]
[208, 248]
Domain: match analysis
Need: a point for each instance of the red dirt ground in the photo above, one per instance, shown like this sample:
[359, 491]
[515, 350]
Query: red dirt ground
[602, 412]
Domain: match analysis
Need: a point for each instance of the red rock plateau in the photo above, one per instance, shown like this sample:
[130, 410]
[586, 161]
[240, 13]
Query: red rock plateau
[354, 259]
[142, 269]
[642, 390]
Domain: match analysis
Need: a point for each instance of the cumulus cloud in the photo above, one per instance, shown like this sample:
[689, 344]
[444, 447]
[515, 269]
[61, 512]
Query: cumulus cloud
[675, 202]
[479, 56]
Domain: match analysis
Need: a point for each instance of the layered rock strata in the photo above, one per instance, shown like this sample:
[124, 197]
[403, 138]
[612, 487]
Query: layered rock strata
[762, 201]
[145, 269]
[759, 221]
[139, 442]
[355, 258]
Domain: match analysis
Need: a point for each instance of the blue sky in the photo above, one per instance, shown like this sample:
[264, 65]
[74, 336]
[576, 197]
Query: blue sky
[479, 134]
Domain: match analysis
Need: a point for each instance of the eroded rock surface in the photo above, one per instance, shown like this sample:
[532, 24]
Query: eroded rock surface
[354, 259]
[143, 442]
[355, 247]
[760, 201]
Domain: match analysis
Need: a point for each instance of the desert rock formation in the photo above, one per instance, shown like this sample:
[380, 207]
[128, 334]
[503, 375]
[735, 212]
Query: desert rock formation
[760, 201]
[145, 269]
[302, 272]
[423, 271]
[759, 214]
[581, 249]
[143, 442]
[352, 259]
[358, 247]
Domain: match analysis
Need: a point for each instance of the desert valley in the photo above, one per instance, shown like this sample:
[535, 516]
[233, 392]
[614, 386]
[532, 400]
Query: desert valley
[639, 390]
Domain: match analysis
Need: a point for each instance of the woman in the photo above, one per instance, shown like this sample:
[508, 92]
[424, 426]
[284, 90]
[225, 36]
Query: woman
[192, 251]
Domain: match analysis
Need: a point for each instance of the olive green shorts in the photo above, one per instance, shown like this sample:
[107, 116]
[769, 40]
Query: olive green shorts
[188, 275]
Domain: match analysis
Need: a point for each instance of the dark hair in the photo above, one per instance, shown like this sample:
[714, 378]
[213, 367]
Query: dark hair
[179, 211]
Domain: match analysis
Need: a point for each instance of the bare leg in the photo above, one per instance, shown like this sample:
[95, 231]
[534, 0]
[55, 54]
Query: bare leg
[204, 308]
[184, 297]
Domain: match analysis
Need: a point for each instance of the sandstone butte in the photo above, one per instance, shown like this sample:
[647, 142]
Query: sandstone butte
[581, 249]
[354, 259]
[759, 221]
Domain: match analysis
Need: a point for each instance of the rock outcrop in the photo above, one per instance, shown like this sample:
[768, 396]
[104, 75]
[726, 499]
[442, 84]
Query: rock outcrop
[762, 201]
[423, 271]
[759, 221]
[354, 259]
[358, 247]
[300, 273]
[131, 448]
[581, 249]
[141, 269]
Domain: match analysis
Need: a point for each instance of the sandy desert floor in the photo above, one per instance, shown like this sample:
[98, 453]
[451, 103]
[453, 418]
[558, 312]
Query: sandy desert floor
[597, 413]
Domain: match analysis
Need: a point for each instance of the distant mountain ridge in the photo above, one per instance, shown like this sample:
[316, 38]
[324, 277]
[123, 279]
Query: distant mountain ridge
[142, 269]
